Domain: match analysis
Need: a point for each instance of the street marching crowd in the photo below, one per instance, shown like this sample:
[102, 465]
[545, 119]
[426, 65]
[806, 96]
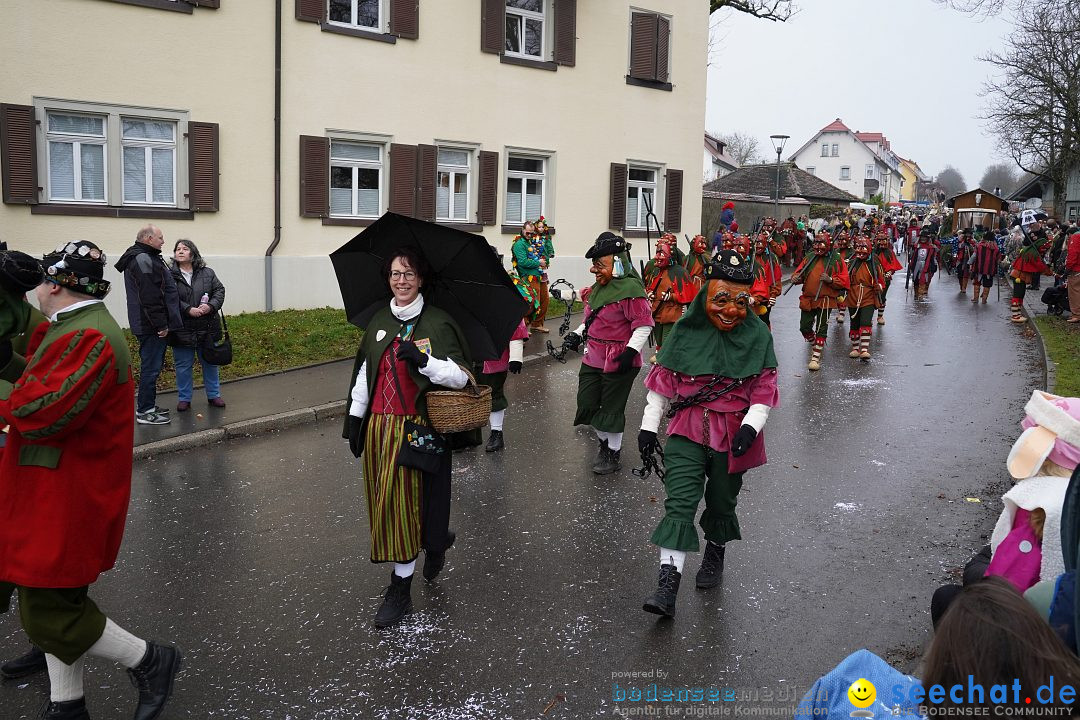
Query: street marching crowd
[69, 404]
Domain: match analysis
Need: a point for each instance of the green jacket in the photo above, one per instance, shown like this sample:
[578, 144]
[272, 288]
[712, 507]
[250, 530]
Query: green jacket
[11, 372]
[447, 343]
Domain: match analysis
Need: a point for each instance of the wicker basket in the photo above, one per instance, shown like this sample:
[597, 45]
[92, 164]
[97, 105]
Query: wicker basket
[453, 411]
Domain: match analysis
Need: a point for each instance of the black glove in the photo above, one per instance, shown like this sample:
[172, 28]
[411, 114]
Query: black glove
[572, 341]
[5, 352]
[408, 352]
[647, 442]
[356, 439]
[515, 367]
[743, 439]
[626, 359]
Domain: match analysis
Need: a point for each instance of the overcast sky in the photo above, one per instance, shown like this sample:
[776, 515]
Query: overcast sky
[905, 68]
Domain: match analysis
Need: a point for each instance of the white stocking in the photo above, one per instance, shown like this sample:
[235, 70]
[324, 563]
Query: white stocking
[65, 681]
[118, 645]
[673, 557]
[404, 570]
[496, 419]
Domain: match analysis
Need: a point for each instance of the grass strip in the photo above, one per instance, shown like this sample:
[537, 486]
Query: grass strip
[1063, 344]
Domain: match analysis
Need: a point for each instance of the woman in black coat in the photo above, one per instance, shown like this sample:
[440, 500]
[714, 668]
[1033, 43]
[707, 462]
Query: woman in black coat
[201, 296]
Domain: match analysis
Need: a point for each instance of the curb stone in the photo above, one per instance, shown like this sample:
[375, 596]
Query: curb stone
[1049, 366]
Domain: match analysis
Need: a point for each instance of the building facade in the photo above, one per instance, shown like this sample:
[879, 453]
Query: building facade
[862, 167]
[298, 122]
[716, 163]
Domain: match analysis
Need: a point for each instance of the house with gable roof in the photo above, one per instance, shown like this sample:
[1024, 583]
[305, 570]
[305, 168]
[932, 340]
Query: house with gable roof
[862, 164]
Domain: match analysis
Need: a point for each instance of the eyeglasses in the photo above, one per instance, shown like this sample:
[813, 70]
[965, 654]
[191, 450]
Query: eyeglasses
[398, 275]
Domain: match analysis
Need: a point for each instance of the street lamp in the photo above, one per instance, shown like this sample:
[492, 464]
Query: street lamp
[778, 142]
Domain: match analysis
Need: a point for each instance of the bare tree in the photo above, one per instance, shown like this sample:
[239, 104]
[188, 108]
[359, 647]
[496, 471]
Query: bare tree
[1033, 102]
[1001, 176]
[777, 10]
[951, 181]
[742, 147]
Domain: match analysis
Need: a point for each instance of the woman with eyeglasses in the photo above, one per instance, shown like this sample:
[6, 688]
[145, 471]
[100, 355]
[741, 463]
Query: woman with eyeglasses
[408, 349]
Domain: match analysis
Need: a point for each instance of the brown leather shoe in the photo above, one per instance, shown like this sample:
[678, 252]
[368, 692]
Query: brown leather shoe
[183, 406]
[216, 402]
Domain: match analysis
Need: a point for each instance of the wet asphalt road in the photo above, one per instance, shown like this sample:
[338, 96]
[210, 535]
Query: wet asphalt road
[252, 555]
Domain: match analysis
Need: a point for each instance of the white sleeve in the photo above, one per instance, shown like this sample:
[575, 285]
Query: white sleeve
[639, 337]
[580, 329]
[359, 403]
[655, 407]
[756, 416]
[444, 372]
[517, 350]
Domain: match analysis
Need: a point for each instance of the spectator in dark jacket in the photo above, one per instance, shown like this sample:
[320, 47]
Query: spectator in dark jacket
[153, 312]
[201, 296]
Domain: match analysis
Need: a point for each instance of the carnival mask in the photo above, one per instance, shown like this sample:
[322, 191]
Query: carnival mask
[699, 244]
[742, 245]
[727, 241]
[727, 304]
[862, 250]
[662, 258]
[603, 269]
[820, 246]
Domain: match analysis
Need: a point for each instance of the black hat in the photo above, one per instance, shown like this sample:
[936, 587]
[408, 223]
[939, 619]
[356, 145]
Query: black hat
[926, 232]
[19, 273]
[966, 231]
[79, 266]
[607, 243]
[729, 265]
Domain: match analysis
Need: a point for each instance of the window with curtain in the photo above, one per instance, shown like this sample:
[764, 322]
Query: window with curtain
[525, 28]
[640, 196]
[149, 161]
[76, 157]
[525, 188]
[452, 185]
[363, 14]
[355, 179]
[824, 149]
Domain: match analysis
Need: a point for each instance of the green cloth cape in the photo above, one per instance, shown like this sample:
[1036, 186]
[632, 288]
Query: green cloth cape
[696, 347]
[447, 343]
[629, 285]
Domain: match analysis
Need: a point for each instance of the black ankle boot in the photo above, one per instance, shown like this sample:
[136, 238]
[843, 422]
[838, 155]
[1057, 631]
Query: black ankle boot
[608, 463]
[662, 602]
[712, 566]
[31, 663]
[397, 603]
[67, 710]
[601, 455]
[154, 676]
[434, 560]
[495, 441]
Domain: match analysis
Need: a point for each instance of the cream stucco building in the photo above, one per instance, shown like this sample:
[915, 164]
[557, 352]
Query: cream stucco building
[271, 131]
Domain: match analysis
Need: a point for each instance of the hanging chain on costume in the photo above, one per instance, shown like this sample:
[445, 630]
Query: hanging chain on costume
[553, 290]
[705, 395]
[559, 353]
[652, 462]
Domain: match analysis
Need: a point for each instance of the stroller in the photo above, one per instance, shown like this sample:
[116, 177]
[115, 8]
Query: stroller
[1056, 298]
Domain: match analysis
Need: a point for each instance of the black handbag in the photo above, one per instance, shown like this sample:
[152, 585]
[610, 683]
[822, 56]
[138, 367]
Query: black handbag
[422, 448]
[216, 351]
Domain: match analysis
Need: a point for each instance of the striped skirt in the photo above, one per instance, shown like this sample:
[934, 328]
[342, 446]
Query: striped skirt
[393, 493]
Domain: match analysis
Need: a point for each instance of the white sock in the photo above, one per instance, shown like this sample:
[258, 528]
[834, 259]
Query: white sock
[404, 570]
[119, 645]
[496, 419]
[614, 441]
[65, 681]
[601, 436]
[673, 557]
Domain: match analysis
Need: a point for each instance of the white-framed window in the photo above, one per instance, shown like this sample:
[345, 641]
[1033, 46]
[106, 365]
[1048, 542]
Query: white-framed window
[526, 28]
[640, 195]
[452, 192]
[149, 157]
[356, 179]
[845, 173]
[77, 157]
[835, 150]
[812, 170]
[361, 14]
[870, 171]
[824, 149]
[526, 188]
[101, 154]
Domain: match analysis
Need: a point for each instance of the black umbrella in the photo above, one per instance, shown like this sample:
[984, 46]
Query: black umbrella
[468, 281]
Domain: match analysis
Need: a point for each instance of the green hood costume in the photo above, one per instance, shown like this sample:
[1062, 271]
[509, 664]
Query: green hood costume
[696, 347]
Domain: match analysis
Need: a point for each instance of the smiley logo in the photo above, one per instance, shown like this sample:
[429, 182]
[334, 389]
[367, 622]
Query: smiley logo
[862, 694]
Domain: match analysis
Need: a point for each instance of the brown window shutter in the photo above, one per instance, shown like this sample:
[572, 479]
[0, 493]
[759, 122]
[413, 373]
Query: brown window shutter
[18, 154]
[643, 46]
[489, 187]
[203, 167]
[427, 165]
[663, 40]
[617, 220]
[403, 179]
[314, 176]
[673, 201]
[565, 32]
[405, 18]
[311, 10]
[492, 26]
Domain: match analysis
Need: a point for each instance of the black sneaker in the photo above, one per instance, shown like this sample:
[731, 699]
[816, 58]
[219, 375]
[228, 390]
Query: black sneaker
[152, 417]
[31, 663]
[154, 676]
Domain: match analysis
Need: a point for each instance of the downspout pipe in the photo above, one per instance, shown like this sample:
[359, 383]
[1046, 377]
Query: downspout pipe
[268, 262]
